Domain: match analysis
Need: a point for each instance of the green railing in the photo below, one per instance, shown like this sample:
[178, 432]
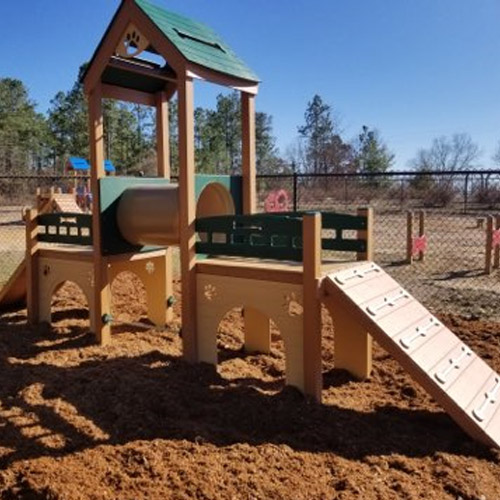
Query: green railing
[68, 228]
[274, 236]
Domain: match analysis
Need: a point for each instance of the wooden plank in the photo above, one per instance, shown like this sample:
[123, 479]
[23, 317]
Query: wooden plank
[248, 152]
[196, 71]
[450, 372]
[102, 289]
[187, 216]
[32, 256]
[366, 234]
[128, 95]
[312, 306]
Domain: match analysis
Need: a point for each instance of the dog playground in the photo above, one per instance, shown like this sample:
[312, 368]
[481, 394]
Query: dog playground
[250, 364]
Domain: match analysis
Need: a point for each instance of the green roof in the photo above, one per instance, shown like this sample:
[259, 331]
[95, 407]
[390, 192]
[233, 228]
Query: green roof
[198, 43]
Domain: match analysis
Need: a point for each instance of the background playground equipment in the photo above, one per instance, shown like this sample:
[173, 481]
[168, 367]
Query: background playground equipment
[277, 200]
[416, 246]
[54, 200]
[271, 265]
[492, 259]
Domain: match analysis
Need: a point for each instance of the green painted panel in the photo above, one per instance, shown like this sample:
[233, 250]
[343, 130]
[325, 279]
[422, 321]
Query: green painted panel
[66, 227]
[274, 236]
[196, 42]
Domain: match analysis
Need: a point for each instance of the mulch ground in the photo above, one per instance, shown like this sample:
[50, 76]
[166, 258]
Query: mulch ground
[132, 420]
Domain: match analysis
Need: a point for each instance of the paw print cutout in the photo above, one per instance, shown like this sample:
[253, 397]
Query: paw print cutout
[210, 292]
[150, 267]
[132, 43]
[46, 270]
[292, 306]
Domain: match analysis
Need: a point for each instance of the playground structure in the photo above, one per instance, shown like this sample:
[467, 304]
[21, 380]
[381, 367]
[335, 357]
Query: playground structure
[492, 250]
[271, 265]
[416, 246]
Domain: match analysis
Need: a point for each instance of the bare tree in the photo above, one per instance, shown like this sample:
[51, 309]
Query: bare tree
[457, 152]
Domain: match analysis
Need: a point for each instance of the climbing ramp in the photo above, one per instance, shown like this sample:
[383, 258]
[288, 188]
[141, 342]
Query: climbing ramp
[13, 292]
[461, 382]
[66, 203]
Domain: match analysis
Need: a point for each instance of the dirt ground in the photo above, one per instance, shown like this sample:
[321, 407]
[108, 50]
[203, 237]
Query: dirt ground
[132, 420]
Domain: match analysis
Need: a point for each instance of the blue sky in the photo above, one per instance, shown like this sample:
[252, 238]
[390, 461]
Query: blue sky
[414, 69]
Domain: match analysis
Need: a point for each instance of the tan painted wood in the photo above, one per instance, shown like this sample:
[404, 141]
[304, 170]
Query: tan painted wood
[257, 331]
[281, 302]
[151, 270]
[32, 259]
[199, 72]
[366, 234]
[163, 158]
[67, 253]
[489, 244]
[187, 214]
[101, 300]
[409, 237]
[52, 273]
[107, 47]
[422, 362]
[128, 95]
[311, 236]
[158, 40]
[248, 152]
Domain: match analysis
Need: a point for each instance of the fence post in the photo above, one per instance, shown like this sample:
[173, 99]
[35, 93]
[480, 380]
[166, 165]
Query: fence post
[294, 191]
[496, 251]
[421, 231]
[366, 234]
[489, 244]
[466, 192]
[409, 236]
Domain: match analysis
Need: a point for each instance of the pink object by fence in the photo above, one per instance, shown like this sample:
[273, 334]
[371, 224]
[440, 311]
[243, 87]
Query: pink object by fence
[495, 240]
[277, 201]
[419, 245]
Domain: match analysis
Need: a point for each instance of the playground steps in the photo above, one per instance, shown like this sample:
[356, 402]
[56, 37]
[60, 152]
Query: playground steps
[66, 203]
[461, 382]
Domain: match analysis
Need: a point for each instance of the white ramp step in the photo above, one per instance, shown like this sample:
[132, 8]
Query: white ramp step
[461, 382]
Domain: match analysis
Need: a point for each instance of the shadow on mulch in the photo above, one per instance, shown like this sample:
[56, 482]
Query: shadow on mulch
[159, 396]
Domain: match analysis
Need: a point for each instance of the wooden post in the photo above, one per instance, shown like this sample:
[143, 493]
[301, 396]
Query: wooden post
[248, 152]
[257, 331]
[366, 234]
[489, 244]
[312, 307]
[32, 266]
[496, 251]
[187, 215]
[163, 167]
[421, 231]
[102, 305]
[409, 237]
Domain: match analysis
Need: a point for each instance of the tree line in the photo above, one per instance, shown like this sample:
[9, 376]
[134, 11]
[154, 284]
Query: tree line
[31, 142]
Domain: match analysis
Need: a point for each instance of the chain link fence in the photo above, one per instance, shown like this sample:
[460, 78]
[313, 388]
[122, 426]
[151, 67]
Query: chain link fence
[451, 277]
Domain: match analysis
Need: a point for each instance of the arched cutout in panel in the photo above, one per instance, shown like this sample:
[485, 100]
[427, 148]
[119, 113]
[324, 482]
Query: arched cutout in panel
[128, 301]
[265, 371]
[69, 306]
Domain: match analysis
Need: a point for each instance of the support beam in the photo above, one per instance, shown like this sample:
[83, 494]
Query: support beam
[128, 95]
[102, 290]
[163, 156]
[366, 234]
[312, 306]
[187, 214]
[248, 152]
[32, 267]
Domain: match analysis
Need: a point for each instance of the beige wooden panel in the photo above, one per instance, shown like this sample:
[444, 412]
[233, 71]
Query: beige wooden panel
[448, 369]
